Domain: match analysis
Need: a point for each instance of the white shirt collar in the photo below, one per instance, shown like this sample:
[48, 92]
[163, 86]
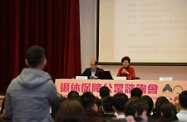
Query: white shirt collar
[183, 111]
[122, 116]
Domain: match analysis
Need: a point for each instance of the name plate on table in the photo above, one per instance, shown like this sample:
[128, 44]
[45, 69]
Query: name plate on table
[120, 78]
[81, 77]
[166, 78]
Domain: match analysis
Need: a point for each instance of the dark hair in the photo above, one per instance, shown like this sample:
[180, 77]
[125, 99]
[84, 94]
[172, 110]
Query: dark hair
[136, 92]
[169, 111]
[88, 100]
[119, 100]
[107, 105]
[183, 99]
[55, 106]
[167, 88]
[135, 105]
[149, 103]
[125, 58]
[159, 102]
[71, 111]
[2, 120]
[73, 95]
[35, 56]
[104, 91]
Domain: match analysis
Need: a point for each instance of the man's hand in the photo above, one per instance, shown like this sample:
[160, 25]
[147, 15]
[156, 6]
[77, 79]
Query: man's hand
[124, 71]
[95, 77]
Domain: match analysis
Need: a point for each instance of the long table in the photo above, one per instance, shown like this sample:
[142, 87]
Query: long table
[153, 88]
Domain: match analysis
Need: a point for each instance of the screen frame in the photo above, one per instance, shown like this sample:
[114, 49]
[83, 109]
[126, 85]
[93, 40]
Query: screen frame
[119, 63]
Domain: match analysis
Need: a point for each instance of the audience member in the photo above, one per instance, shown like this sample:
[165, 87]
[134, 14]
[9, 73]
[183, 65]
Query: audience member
[3, 118]
[136, 107]
[2, 106]
[182, 115]
[159, 102]
[89, 101]
[74, 95]
[29, 95]
[118, 101]
[104, 92]
[136, 92]
[55, 106]
[107, 109]
[168, 113]
[2, 97]
[150, 108]
[71, 111]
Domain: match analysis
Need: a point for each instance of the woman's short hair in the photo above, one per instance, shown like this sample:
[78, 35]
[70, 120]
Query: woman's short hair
[135, 106]
[169, 111]
[71, 111]
[125, 58]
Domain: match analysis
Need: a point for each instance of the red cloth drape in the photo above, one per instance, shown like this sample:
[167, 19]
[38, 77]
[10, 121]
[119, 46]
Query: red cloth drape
[52, 24]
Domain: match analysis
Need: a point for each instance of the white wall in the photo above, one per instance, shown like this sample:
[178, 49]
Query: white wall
[88, 31]
[88, 49]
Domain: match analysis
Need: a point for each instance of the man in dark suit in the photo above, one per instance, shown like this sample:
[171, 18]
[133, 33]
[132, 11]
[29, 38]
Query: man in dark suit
[92, 72]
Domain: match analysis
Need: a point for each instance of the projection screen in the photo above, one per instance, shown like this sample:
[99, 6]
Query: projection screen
[148, 31]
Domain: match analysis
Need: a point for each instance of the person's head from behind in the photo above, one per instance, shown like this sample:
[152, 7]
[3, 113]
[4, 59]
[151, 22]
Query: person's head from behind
[55, 106]
[118, 101]
[168, 110]
[35, 57]
[104, 92]
[150, 103]
[74, 95]
[107, 105]
[183, 100]
[93, 64]
[136, 92]
[137, 108]
[159, 102]
[71, 111]
[89, 101]
[125, 61]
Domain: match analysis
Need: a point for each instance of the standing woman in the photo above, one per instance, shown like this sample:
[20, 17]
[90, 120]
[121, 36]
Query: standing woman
[126, 70]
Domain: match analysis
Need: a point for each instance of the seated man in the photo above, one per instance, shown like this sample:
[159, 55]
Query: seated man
[89, 103]
[137, 108]
[92, 72]
[107, 109]
[136, 92]
[118, 102]
[182, 115]
[126, 70]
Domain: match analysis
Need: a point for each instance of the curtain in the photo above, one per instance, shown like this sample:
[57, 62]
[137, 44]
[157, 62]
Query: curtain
[52, 24]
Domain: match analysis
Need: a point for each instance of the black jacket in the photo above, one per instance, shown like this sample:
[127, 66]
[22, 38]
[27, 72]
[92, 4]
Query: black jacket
[87, 72]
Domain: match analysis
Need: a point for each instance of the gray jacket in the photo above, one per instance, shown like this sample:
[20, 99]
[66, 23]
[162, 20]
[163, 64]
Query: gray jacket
[29, 96]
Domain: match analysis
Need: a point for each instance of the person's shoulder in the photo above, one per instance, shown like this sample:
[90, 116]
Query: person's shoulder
[99, 69]
[87, 69]
[13, 83]
[120, 68]
[118, 120]
[131, 67]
